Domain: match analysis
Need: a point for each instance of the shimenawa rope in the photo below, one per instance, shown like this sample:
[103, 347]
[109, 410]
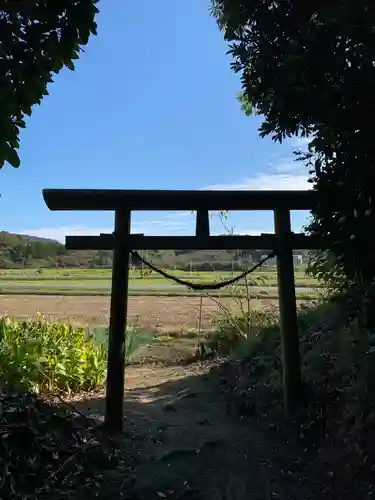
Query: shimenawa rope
[202, 286]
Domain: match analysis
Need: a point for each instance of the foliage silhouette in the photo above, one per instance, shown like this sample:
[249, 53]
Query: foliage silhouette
[309, 69]
[37, 39]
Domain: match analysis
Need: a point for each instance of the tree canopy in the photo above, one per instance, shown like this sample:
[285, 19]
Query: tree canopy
[309, 69]
[37, 39]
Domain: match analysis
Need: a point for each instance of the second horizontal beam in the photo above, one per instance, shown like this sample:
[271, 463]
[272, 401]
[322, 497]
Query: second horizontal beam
[140, 242]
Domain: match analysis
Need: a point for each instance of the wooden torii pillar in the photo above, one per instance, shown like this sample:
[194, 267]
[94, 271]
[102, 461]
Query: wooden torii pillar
[118, 313]
[117, 322]
[123, 202]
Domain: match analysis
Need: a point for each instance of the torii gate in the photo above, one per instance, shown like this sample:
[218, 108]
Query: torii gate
[123, 202]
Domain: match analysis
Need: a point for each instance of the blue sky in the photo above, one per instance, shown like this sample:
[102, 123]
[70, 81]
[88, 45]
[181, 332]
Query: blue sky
[151, 105]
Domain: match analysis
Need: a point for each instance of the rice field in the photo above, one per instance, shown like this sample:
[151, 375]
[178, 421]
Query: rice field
[98, 282]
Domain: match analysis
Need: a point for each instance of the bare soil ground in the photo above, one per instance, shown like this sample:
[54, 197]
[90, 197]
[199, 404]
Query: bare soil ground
[164, 314]
[183, 444]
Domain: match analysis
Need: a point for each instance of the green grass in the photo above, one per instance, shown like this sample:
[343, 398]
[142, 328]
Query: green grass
[100, 276]
[50, 281]
[73, 273]
[146, 282]
[178, 292]
[97, 282]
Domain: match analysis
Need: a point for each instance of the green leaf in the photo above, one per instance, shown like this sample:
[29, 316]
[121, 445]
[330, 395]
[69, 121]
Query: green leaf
[70, 65]
[11, 156]
[84, 36]
[20, 123]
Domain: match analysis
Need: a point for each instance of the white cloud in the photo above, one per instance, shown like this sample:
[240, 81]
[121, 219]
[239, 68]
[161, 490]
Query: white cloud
[286, 165]
[59, 233]
[177, 215]
[168, 222]
[251, 232]
[284, 174]
[264, 182]
[153, 226]
[241, 232]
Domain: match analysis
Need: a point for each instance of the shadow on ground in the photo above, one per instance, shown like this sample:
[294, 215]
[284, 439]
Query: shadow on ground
[182, 443]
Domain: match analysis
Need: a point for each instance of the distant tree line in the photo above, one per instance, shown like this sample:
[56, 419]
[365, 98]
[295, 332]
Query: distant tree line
[19, 251]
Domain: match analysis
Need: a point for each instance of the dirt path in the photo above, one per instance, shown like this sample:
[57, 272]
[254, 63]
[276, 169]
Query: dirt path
[187, 446]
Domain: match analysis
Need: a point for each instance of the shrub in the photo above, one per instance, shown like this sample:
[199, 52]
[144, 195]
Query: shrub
[39, 356]
[242, 333]
[255, 333]
[134, 340]
[331, 437]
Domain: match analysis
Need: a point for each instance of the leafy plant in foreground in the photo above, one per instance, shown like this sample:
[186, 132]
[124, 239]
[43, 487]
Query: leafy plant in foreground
[40, 356]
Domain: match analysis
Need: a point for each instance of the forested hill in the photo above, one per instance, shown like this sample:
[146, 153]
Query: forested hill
[27, 251]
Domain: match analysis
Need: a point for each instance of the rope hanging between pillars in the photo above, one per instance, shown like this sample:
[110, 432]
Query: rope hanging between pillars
[202, 286]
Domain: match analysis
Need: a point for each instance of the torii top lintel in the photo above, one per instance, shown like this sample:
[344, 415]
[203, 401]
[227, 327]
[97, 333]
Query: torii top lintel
[114, 199]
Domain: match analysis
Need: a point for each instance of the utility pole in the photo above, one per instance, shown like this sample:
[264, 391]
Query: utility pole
[232, 234]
